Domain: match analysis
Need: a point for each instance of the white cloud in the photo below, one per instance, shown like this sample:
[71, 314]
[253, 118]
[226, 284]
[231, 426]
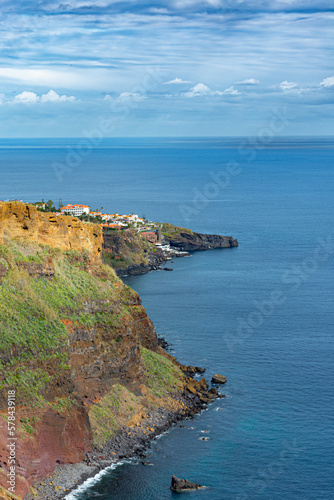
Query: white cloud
[328, 82]
[108, 97]
[177, 80]
[288, 85]
[77, 78]
[201, 90]
[131, 96]
[27, 97]
[231, 90]
[52, 96]
[250, 81]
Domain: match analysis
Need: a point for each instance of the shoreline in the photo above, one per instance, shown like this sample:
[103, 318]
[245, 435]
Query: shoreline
[67, 478]
[156, 261]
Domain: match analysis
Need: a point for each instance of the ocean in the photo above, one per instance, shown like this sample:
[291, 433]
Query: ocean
[261, 314]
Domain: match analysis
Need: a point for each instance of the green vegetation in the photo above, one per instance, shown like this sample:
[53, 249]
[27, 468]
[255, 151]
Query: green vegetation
[27, 424]
[47, 206]
[36, 313]
[63, 404]
[102, 416]
[163, 377]
[90, 218]
[174, 232]
[123, 249]
[111, 412]
[41, 315]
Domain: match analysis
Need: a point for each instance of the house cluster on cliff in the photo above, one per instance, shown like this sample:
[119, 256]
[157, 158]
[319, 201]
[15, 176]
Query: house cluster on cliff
[148, 229]
[75, 210]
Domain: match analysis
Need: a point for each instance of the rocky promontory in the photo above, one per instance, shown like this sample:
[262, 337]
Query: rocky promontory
[187, 240]
[130, 254]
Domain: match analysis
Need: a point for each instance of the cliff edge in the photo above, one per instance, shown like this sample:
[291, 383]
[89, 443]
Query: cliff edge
[24, 222]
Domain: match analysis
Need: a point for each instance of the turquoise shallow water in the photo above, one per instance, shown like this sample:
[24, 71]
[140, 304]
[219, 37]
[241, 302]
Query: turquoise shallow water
[261, 314]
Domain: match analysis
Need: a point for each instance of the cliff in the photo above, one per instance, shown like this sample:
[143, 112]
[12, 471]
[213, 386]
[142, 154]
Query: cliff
[23, 222]
[78, 349]
[129, 253]
[189, 241]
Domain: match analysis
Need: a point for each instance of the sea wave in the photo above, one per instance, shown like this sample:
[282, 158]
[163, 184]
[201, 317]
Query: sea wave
[90, 482]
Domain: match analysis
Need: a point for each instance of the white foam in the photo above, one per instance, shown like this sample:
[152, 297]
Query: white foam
[73, 495]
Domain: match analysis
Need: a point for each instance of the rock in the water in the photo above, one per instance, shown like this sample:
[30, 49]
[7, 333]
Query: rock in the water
[199, 369]
[167, 269]
[180, 485]
[218, 379]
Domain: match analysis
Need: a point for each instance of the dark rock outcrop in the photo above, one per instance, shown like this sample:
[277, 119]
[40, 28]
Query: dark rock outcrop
[218, 379]
[180, 485]
[190, 241]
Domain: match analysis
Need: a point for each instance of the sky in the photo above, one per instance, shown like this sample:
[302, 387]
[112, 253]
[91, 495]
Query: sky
[76, 68]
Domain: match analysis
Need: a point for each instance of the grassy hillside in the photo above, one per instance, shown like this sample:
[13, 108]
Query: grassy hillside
[70, 346]
[123, 249]
[172, 232]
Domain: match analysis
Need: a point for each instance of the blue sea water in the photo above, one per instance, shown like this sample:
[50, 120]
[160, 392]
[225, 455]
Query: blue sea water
[261, 314]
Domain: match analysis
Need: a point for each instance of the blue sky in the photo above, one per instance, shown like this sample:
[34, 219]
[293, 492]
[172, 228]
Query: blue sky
[176, 68]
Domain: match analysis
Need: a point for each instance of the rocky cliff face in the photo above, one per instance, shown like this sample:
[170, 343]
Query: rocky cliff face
[24, 222]
[196, 241]
[69, 331]
[189, 241]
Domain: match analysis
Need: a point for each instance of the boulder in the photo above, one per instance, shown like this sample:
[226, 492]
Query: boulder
[202, 384]
[199, 369]
[180, 485]
[191, 389]
[218, 379]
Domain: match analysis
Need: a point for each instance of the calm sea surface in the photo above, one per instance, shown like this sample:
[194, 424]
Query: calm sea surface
[261, 314]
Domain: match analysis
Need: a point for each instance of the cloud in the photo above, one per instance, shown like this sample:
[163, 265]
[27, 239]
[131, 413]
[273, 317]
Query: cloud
[328, 82]
[202, 90]
[231, 90]
[131, 96]
[250, 81]
[52, 96]
[288, 85]
[74, 78]
[176, 80]
[27, 97]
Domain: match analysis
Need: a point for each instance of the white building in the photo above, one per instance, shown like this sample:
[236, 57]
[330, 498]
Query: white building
[75, 210]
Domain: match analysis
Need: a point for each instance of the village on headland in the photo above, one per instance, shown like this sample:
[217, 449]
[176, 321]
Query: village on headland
[133, 244]
[148, 229]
